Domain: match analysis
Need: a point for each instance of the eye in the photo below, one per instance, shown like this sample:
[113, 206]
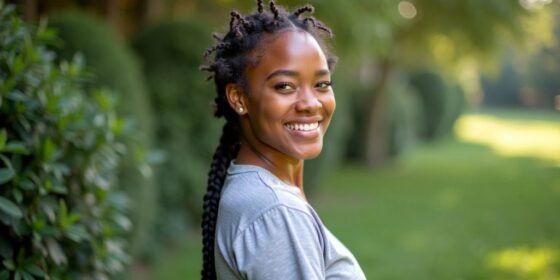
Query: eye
[324, 85]
[284, 87]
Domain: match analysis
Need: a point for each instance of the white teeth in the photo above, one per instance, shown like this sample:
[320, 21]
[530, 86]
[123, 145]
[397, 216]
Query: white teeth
[302, 126]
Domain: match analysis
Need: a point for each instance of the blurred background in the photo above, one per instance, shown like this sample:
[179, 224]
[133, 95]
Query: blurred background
[443, 159]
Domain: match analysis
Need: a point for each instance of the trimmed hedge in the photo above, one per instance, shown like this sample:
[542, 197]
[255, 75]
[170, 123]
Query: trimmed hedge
[112, 62]
[442, 103]
[404, 117]
[187, 132]
[60, 216]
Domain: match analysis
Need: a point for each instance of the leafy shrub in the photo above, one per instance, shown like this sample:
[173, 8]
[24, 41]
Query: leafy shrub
[504, 89]
[405, 117]
[60, 216]
[112, 62]
[171, 53]
[442, 103]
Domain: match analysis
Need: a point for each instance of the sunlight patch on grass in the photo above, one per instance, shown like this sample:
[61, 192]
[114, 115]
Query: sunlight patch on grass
[509, 137]
[537, 263]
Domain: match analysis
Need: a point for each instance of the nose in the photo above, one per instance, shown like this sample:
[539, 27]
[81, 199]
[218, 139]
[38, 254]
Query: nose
[307, 101]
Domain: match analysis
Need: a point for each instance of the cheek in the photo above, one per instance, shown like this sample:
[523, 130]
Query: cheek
[329, 103]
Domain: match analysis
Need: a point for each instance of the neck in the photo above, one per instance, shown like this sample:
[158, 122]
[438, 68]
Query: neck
[287, 169]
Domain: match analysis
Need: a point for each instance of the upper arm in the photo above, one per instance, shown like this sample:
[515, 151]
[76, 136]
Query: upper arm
[283, 243]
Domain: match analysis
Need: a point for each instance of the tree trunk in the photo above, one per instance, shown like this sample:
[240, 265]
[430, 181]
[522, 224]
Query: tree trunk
[30, 10]
[112, 15]
[152, 10]
[375, 136]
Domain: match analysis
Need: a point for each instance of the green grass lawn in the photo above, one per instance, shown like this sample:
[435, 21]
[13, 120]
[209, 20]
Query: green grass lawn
[448, 211]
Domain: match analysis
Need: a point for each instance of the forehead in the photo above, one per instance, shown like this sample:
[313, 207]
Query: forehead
[288, 49]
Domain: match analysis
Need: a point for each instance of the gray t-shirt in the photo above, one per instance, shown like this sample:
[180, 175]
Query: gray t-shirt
[266, 230]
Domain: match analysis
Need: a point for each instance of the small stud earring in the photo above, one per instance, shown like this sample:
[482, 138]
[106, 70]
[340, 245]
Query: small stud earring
[240, 110]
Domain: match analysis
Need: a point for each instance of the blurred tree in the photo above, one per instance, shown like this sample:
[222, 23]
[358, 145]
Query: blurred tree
[504, 89]
[171, 53]
[528, 78]
[400, 33]
[442, 102]
[125, 16]
[543, 72]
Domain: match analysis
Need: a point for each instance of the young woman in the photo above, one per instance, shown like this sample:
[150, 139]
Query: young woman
[273, 80]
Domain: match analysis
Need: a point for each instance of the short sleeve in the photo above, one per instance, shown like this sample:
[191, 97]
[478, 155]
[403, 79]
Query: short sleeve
[283, 243]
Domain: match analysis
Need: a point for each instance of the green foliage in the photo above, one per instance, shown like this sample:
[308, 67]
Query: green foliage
[60, 216]
[441, 102]
[404, 118]
[113, 64]
[503, 90]
[543, 71]
[171, 53]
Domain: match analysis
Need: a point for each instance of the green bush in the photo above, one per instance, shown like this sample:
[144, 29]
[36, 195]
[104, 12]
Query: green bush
[404, 118]
[60, 216]
[442, 103]
[112, 62]
[171, 53]
[355, 143]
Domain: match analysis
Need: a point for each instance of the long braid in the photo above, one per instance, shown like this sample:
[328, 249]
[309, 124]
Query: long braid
[230, 60]
[225, 152]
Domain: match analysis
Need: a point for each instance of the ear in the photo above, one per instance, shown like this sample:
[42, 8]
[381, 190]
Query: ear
[236, 98]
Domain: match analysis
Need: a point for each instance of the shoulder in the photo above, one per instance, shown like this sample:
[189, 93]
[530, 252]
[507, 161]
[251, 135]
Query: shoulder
[248, 195]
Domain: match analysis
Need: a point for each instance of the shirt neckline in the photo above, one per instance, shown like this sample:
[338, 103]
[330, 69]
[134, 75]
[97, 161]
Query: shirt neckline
[265, 174]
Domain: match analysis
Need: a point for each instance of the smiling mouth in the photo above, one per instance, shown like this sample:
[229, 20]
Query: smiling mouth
[302, 126]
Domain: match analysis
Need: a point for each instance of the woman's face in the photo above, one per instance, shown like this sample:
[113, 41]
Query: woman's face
[290, 100]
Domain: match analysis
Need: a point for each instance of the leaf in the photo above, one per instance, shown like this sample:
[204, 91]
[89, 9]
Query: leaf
[35, 270]
[9, 264]
[4, 275]
[18, 195]
[16, 148]
[26, 184]
[3, 138]
[27, 276]
[49, 150]
[10, 208]
[62, 214]
[56, 253]
[6, 248]
[73, 218]
[77, 233]
[6, 174]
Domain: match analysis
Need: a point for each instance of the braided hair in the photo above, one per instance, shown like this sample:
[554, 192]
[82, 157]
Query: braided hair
[229, 62]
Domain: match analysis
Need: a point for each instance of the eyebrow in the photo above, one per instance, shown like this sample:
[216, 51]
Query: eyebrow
[283, 72]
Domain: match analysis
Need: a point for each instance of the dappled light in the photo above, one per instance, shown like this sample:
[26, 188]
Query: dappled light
[534, 4]
[507, 137]
[540, 263]
[407, 9]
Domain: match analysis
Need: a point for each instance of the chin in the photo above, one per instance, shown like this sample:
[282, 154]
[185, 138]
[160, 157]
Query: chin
[309, 154]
